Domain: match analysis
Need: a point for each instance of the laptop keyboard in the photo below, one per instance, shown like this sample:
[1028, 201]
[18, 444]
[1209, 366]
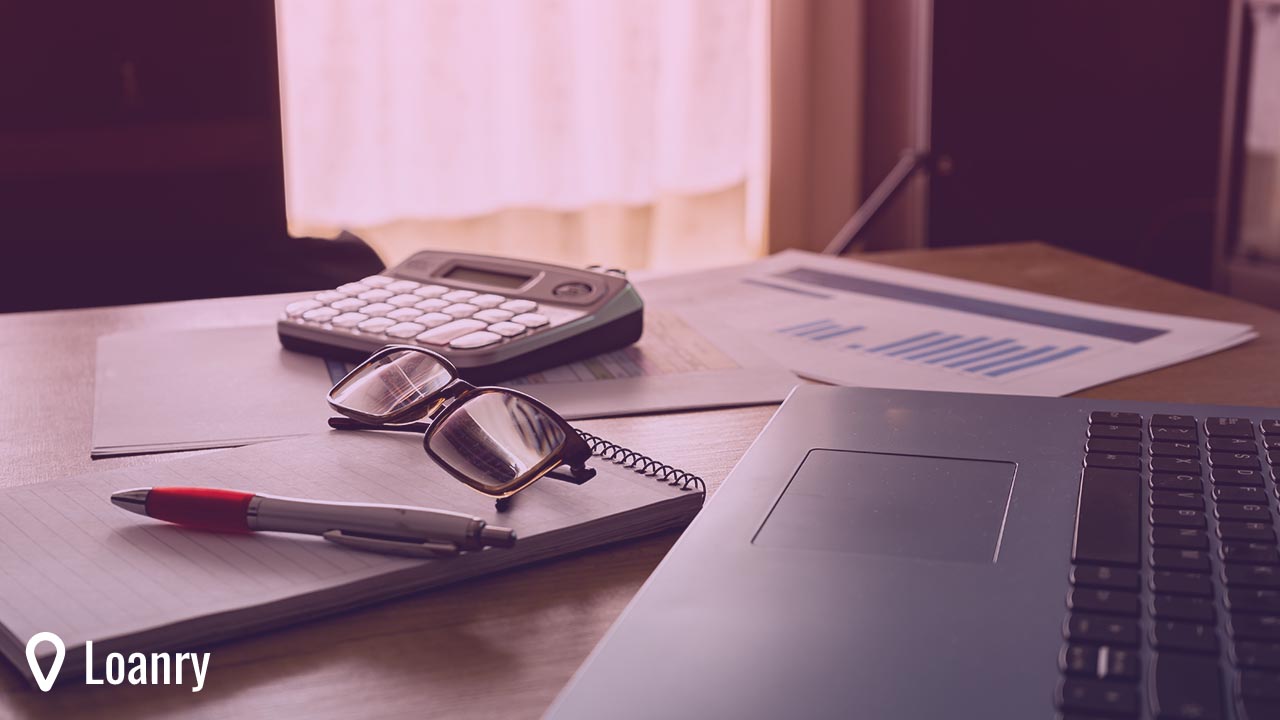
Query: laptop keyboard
[1174, 598]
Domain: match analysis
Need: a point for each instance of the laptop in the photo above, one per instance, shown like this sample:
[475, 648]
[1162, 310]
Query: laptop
[895, 555]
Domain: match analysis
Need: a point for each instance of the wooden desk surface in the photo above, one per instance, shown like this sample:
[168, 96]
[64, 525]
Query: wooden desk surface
[499, 647]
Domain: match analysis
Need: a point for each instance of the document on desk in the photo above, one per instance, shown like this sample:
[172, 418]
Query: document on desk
[76, 565]
[165, 391]
[857, 323]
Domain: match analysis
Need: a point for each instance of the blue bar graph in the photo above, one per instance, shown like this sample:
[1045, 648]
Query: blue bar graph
[985, 356]
[820, 330]
[1016, 358]
[1038, 361]
[980, 355]
[909, 340]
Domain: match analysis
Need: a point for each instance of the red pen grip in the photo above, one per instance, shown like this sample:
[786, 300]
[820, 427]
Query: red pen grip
[204, 508]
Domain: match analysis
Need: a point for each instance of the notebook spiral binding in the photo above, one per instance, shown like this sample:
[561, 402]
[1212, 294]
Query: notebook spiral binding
[642, 464]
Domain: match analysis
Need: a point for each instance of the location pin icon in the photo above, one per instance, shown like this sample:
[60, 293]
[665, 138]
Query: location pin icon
[45, 681]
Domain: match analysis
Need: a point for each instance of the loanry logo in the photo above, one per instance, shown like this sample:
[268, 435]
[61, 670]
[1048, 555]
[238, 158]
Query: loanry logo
[134, 669]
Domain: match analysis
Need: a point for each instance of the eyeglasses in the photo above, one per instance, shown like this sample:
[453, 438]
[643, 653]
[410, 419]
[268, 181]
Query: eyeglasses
[497, 441]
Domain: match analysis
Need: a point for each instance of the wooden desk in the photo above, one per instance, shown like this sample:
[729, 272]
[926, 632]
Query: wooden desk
[499, 647]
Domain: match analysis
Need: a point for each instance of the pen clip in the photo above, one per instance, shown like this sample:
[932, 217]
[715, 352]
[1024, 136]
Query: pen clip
[385, 546]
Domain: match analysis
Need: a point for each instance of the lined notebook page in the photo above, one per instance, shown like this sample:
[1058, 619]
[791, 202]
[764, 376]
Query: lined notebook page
[77, 565]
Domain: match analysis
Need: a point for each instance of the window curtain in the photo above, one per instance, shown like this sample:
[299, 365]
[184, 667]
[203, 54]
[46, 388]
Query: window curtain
[623, 132]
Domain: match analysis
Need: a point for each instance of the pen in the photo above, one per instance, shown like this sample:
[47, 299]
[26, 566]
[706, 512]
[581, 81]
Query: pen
[389, 529]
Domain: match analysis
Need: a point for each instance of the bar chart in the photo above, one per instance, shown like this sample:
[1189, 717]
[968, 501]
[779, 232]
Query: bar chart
[979, 355]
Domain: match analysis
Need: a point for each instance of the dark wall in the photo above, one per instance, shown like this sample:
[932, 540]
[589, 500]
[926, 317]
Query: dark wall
[1092, 124]
[140, 151]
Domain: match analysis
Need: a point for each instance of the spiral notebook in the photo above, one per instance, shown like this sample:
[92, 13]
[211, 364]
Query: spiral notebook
[78, 566]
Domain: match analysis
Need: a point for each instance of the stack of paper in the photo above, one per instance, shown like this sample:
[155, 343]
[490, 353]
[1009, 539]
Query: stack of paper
[76, 565]
[856, 323]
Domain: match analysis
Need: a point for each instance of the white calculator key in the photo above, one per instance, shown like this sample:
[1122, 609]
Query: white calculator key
[460, 310]
[493, 315]
[404, 300]
[377, 281]
[329, 296]
[297, 308]
[348, 320]
[434, 319]
[519, 306]
[507, 329]
[477, 339]
[405, 330]
[353, 288]
[458, 295]
[404, 314]
[531, 320]
[377, 309]
[487, 300]
[402, 286]
[376, 325]
[431, 291]
[349, 304]
[320, 314]
[433, 305]
[447, 332]
[375, 295]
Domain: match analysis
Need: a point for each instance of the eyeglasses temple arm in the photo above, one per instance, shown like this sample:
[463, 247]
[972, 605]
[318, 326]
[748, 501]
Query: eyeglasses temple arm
[346, 423]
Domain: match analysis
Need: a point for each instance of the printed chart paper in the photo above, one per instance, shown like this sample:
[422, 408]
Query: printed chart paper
[860, 324]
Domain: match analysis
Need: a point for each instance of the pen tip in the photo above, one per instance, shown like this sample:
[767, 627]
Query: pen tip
[132, 500]
[495, 536]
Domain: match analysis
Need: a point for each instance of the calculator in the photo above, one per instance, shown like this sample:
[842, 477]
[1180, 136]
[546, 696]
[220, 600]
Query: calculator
[493, 317]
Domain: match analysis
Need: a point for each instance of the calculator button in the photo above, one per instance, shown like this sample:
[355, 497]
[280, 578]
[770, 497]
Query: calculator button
[377, 281]
[492, 315]
[377, 295]
[519, 306]
[353, 288]
[459, 295]
[1270, 428]
[376, 325]
[487, 300]
[1232, 445]
[329, 296]
[349, 304]
[405, 330]
[531, 320]
[433, 305]
[1182, 421]
[320, 314]
[296, 309]
[404, 314]
[460, 310]
[404, 300]
[477, 339]
[449, 331]
[377, 309]
[403, 286]
[348, 320]
[507, 329]
[431, 291]
[434, 319]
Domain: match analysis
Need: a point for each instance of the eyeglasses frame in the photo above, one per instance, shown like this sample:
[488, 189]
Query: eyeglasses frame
[573, 451]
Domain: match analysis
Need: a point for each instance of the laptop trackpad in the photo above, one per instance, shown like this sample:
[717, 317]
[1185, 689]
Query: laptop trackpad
[903, 505]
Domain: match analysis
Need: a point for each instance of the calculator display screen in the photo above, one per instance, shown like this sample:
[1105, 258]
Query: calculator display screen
[487, 277]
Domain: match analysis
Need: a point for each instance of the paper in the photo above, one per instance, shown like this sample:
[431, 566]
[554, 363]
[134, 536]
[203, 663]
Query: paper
[156, 585]
[194, 389]
[683, 362]
[855, 323]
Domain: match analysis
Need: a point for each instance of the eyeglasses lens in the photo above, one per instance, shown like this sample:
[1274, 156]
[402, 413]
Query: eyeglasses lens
[391, 383]
[496, 438]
